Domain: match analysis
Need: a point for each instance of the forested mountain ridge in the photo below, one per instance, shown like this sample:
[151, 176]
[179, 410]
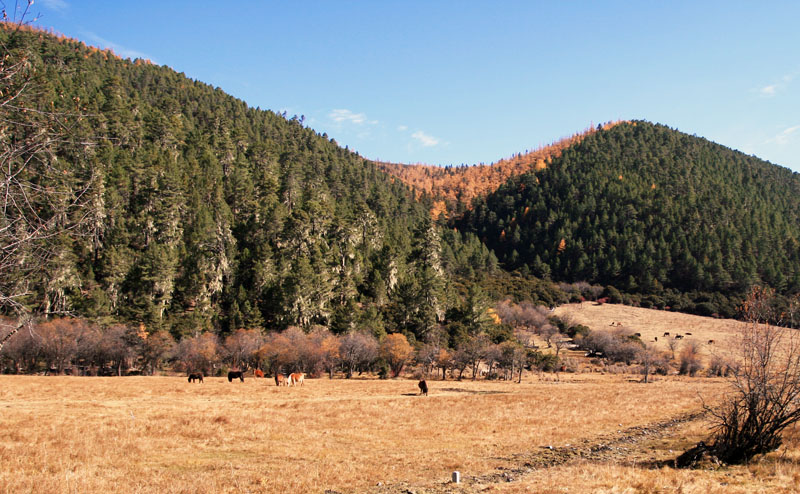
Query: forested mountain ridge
[651, 211]
[206, 214]
[452, 189]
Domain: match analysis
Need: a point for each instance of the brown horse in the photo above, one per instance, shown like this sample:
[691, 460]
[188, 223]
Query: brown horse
[423, 387]
[235, 375]
[296, 378]
[196, 376]
[258, 373]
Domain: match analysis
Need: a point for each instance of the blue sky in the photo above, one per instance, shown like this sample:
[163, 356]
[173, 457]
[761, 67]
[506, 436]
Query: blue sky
[451, 82]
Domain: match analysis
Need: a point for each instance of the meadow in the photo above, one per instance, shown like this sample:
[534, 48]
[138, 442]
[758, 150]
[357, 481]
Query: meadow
[162, 434]
[653, 323]
[573, 432]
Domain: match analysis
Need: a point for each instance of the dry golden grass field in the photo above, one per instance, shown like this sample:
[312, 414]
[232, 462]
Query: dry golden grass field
[161, 434]
[586, 432]
[653, 323]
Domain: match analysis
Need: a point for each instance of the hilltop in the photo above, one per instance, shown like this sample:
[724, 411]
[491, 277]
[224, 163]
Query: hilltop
[452, 189]
[677, 219]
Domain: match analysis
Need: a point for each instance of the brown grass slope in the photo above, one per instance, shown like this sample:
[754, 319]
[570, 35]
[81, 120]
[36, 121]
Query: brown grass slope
[451, 185]
[653, 323]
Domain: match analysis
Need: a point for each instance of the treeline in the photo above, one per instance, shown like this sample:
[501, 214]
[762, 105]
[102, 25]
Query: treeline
[664, 218]
[77, 347]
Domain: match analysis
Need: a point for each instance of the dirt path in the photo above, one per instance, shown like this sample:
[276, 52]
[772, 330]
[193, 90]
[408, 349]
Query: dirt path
[634, 446]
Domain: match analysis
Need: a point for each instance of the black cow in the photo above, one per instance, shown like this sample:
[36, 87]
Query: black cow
[196, 376]
[235, 375]
[423, 387]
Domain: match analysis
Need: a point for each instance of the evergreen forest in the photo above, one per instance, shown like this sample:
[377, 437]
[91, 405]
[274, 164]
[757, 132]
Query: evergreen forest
[672, 219]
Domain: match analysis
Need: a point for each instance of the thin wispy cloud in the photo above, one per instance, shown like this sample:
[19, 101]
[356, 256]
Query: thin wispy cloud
[118, 49]
[342, 115]
[402, 128]
[771, 90]
[424, 139]
[786, 135]
[57, 5]
[768, 91]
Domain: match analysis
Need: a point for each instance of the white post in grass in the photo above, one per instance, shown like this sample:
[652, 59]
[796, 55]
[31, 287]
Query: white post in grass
[456, 477]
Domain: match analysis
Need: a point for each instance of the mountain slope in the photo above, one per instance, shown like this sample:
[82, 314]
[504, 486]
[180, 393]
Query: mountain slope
[652, 211]
[207, 214]
[452, 189]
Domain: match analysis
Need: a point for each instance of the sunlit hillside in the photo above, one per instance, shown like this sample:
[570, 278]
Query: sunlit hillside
[453, 187]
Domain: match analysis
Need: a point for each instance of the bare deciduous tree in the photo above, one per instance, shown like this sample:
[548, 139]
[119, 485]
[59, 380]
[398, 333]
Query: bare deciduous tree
[42, 198]
[356, 350]
[764, 398]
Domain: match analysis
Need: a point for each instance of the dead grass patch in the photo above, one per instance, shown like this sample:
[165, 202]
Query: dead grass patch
[160, 434]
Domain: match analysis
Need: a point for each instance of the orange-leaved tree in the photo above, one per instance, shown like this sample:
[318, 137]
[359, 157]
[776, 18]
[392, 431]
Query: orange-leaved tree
[396, 350]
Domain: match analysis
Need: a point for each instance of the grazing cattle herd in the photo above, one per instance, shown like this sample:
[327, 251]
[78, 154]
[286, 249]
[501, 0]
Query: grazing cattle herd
[293, 379]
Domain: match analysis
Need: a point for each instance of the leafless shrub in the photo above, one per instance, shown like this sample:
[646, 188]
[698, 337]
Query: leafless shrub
[156, 348]
[689, 359]
[764, 398]
[240, 349]
[199, 353]
[719, 367]
[426, 357]
[652, 361]
[357, 352]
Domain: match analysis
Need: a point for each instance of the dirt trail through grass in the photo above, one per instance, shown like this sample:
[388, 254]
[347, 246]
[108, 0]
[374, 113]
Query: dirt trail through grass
[633, 446]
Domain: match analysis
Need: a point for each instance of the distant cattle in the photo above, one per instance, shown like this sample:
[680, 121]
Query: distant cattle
[258, 373]
[423, 387]
[678, 336]
[281, 380]
[655, 338]
[666, 333]
[235, 375]
[710, 342]
[638, 334]
[688, 334]
[195, 376]
[296, 378]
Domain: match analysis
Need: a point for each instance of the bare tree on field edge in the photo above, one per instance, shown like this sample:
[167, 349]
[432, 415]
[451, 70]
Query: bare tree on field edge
[45, 181]
[764, 395]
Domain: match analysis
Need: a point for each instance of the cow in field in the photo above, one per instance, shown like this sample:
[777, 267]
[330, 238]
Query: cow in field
[710, 342]
[423, 387]
[281, 380]
[666, 333]
[235, 375]
[678, 336]
[258, 373]
[296, 378]
[196, 376]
